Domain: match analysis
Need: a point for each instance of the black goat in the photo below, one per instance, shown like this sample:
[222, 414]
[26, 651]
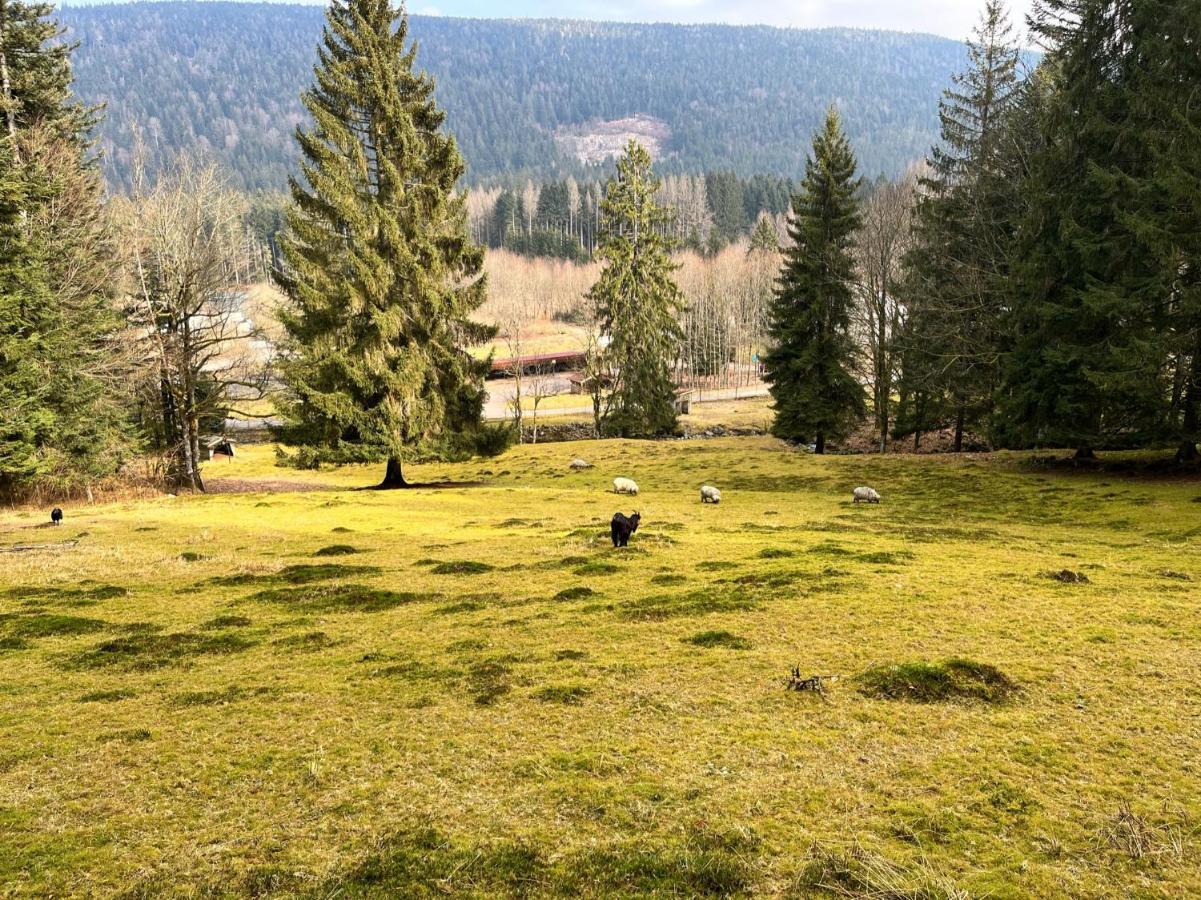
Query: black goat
[622, 527]
[56, 516]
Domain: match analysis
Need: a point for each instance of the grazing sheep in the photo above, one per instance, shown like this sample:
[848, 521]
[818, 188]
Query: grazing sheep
[579, 465]
[625, 486]
[710, 494]
[56, 516]
[866, 495]
[622, 527]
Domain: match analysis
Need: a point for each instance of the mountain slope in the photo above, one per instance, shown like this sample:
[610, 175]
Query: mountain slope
[522, 96]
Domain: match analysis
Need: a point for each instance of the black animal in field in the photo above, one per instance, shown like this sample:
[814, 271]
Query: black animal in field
[622, 527]
[56, 516]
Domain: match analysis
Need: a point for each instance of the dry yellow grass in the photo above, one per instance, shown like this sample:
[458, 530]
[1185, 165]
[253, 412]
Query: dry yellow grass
[201, 696]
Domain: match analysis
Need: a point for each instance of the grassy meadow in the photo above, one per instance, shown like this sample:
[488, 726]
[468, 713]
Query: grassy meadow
[465, 691]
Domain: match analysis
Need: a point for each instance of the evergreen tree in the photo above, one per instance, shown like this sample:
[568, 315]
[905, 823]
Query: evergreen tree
[957, 268]
[1087, 364]
[381, 276]
[637, 300]
[60, 419]
[811, 367]
[1163, 199]
[764, 236]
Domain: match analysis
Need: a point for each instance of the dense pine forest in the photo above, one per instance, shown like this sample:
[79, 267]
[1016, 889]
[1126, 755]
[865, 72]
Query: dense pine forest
[227, 78]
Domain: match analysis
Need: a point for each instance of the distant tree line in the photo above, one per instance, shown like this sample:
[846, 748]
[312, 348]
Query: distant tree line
[562, 219]
[224, 79]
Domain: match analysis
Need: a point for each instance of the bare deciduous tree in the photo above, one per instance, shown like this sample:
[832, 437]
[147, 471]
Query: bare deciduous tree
[205, 358]
[884, 239]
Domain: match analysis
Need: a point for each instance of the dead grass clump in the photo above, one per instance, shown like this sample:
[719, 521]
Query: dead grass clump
[144, 652]
[341, 598]
[716, 565]
[718, 639]
[885, 557]
[1136, 837]
[921, 682]
[127, 735]
[49, 625]
[297, 574]
[112, 696]
[564, 655]
[694, 603]
[225, 622]
[861, 873]
[564, 694]
[463, 606]
[775, 553]
[704, 863]
[488, 681]
[597, 568]
[208, 698]
[337, 550]
[668, 580]
[1067, 576]
[425, 863]
[310, 574]
[309, 641]
[84, 595]
[462, 567]
[574, 593]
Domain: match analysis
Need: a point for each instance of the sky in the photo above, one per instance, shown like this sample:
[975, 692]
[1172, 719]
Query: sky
[950, 18]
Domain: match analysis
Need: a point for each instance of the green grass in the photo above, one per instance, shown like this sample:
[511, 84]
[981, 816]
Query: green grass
[502, 705]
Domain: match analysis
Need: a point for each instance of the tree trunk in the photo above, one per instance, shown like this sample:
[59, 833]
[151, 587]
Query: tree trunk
[394, 477]
[820, 444]
[1192, 409]
[917, 440]
[959, 431]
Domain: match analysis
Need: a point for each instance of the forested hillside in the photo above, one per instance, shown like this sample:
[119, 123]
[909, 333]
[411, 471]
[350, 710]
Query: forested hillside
[523, 97]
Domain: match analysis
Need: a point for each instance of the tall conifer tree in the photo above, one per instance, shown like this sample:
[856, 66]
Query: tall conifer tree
[58, 416]
[957, 269]
[811, 365]
[637, 300]
[1087, 364]
[380, 273]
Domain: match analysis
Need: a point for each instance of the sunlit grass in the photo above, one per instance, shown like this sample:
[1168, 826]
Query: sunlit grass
[467, 691]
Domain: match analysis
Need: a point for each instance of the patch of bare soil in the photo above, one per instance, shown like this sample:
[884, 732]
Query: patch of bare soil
[597, 142]
[865, 439]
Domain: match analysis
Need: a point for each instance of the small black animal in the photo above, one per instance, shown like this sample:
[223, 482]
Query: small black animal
[56, 516]
[622, 527]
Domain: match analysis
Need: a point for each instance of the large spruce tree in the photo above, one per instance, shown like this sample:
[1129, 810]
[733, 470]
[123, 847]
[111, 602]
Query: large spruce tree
[1087, 364]
[379, 271]
[957, 269]
[811, 367]
[1164, 199]
[637, 300]
[60, 418]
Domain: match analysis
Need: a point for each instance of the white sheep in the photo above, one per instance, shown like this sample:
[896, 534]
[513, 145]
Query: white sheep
[579, 465]
[625, 486]
[866, 495]
[710, 494]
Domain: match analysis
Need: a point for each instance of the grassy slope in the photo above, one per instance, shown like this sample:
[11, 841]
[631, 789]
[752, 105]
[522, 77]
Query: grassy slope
[470, 733]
